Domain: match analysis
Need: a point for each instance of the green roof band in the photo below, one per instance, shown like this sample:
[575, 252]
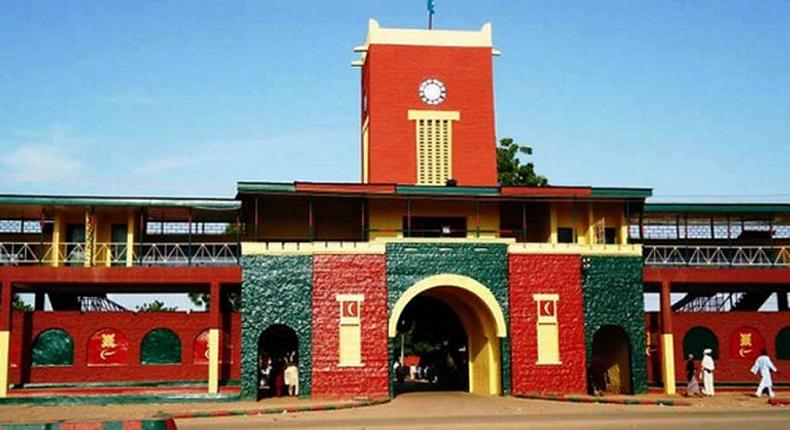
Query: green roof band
[157, 202]
[717, 208]
[639, 193]
[258, 187]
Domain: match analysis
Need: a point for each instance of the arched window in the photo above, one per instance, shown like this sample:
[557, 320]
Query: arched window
[697, 340]
[160, 346]
[53, 347]
[783, 344]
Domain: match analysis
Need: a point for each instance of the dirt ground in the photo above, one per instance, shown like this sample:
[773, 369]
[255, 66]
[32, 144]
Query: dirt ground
[37, 414]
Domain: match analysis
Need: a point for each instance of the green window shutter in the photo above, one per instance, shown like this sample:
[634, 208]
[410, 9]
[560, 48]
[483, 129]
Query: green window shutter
[160, 346]
[53, 347]
[697, 340]
[783, 344]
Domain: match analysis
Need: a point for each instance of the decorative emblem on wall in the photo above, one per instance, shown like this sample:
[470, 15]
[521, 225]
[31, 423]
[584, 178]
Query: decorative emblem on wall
[746, 343]
[108, 347]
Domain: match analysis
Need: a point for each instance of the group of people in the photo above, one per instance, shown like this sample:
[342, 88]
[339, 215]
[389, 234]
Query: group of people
[277, 374]
[763, 366]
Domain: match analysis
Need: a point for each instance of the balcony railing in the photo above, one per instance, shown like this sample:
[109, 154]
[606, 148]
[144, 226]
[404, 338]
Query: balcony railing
[717, 256]
[119, 254]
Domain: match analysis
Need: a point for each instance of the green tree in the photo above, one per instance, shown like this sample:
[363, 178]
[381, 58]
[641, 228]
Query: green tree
[202, 300]
[18, 305]
[155, 306]
[511, 171]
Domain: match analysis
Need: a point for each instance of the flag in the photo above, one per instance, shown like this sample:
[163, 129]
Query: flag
[430, 7]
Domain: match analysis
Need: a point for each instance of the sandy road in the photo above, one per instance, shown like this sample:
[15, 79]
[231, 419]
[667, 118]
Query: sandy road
[463, 411]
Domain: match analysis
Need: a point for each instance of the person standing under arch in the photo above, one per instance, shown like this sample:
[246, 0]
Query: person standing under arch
[292, 379]
[764, 367]
[708, 366]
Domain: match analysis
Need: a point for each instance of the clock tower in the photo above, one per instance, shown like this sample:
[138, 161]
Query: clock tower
[427, 107]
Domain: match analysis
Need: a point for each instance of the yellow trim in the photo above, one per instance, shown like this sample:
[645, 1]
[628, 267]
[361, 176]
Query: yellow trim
[668, 362]
[447, 280]
[575, 248]
[366, 149]
[553, 224]
[213, 361]
[5, 349]
[623, 230]
[419, 37]
[311, 248]
[442, 115]
[591, 224]
[56, 239]
[130, 240]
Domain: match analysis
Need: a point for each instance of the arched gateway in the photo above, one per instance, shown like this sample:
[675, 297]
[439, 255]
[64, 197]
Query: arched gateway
[482, 319]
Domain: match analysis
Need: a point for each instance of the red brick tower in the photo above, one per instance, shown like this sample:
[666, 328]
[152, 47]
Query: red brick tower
[427, 107]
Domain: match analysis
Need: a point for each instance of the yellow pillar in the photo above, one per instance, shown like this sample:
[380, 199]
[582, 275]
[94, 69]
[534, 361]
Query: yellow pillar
[56, 238]
[624, 230]
[5, 349]
[130, 240]
[668, 359]
[213, 361]
[590, 224]
[553, 222]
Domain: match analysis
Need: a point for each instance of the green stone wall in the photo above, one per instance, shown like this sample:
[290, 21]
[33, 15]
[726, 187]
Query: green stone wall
[408, 263]
[275, 290]
[53, 347]
[612, 292]
[160, 346]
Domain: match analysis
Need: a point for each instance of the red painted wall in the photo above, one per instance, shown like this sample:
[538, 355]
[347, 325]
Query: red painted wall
[723, 324]
[349, 274]
[547, 274]
[392, 75]
[80, 326]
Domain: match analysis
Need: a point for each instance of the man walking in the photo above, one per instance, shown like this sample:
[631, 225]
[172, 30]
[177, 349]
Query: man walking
[708, 366]
[764, 367]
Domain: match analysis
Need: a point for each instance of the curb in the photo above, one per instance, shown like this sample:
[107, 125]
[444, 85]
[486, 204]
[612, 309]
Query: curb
[146, 424]
[284, 410]
[779, 402]
[603, 400]
[123, 399]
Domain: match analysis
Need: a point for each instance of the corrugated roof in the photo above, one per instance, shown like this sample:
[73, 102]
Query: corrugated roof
[158, 202]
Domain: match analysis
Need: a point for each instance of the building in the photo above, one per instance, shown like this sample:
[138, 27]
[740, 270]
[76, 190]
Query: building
[542, 280]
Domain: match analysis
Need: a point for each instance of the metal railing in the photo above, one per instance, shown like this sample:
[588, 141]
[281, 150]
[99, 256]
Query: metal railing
[119, 254]
[716, 256]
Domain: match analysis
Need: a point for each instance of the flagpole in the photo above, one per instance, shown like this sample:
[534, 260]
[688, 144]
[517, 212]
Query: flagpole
[430, 20]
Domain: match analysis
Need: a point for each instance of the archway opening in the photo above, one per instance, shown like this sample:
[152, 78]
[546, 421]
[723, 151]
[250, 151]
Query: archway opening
[278, 346]
[432, 347]
[610, 366]
[454, 334]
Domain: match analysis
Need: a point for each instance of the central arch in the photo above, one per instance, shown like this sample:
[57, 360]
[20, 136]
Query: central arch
[482, 318]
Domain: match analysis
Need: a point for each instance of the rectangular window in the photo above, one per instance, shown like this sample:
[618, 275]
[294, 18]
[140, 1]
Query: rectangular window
[565, 235]
[548, 332]
[610, 235]
[350, 333]
[435, 227]
[434, 139]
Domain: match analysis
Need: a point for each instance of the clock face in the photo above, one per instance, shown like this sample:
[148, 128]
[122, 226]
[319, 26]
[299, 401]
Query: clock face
[432, 91]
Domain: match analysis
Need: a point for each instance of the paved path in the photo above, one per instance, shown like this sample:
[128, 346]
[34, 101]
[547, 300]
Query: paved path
[464, 411]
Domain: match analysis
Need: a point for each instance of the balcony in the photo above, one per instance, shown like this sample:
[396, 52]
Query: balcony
[717, 256]
[119, 254]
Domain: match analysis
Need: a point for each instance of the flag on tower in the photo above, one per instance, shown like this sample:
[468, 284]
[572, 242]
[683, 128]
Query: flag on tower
[431, 9]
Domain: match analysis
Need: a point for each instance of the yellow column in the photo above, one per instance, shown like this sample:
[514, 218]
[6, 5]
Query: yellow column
[624, 230]
[213, 361]
[553, 222]
[668, 359]
[130, 240]
[5, 349]
[590, 224]
[56, 233]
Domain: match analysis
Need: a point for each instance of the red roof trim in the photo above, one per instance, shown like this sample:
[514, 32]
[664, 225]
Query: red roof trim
[345, 188]
[546, 191]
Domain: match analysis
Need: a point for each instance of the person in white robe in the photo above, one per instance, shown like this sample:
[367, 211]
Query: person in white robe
[763, 366]
[708, 366]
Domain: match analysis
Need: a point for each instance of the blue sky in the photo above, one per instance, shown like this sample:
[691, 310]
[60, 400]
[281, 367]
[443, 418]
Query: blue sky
[691, 98]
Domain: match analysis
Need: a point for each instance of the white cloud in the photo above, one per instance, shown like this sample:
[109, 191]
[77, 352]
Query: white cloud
[41, 163]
